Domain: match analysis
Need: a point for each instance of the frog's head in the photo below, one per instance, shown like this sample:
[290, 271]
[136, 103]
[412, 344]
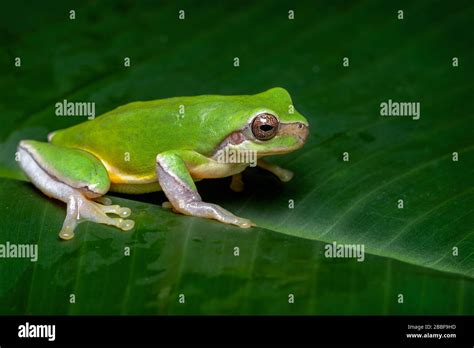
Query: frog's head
[270, 125]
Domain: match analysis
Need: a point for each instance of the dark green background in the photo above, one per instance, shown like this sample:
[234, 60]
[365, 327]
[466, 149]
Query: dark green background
[408, 250]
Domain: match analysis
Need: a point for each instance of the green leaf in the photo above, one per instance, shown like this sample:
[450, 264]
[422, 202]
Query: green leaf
[409, 251]
[173, 255]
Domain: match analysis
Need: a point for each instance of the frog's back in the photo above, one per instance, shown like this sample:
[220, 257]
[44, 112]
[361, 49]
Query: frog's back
[128, 138]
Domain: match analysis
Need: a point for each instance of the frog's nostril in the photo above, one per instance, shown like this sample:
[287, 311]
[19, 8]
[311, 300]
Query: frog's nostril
[302, 132]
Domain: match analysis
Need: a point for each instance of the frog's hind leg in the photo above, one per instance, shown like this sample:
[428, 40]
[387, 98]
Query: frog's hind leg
[74, 177]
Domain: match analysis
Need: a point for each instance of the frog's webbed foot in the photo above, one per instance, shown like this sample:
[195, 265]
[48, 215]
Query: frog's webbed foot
[237, 185]
[177, 183]
[80, 209]
[282, 173]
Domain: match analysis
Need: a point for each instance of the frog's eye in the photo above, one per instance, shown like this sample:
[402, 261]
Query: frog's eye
[264, 126]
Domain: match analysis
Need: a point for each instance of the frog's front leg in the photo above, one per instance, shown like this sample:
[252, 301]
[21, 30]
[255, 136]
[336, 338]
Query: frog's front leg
[74, 177]
[282, 173]
[177, 183]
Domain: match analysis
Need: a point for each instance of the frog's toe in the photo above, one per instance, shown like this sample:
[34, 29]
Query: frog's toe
[116, 209]
[67, 232]
[285, 175]
[125, 212]
[103, 200]
[166, 205]
[121, 223]
[244, 223]
[125, 225]
[122, 211]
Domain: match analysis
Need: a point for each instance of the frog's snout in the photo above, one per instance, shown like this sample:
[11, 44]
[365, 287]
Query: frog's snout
[302, 131]
[297, 130]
